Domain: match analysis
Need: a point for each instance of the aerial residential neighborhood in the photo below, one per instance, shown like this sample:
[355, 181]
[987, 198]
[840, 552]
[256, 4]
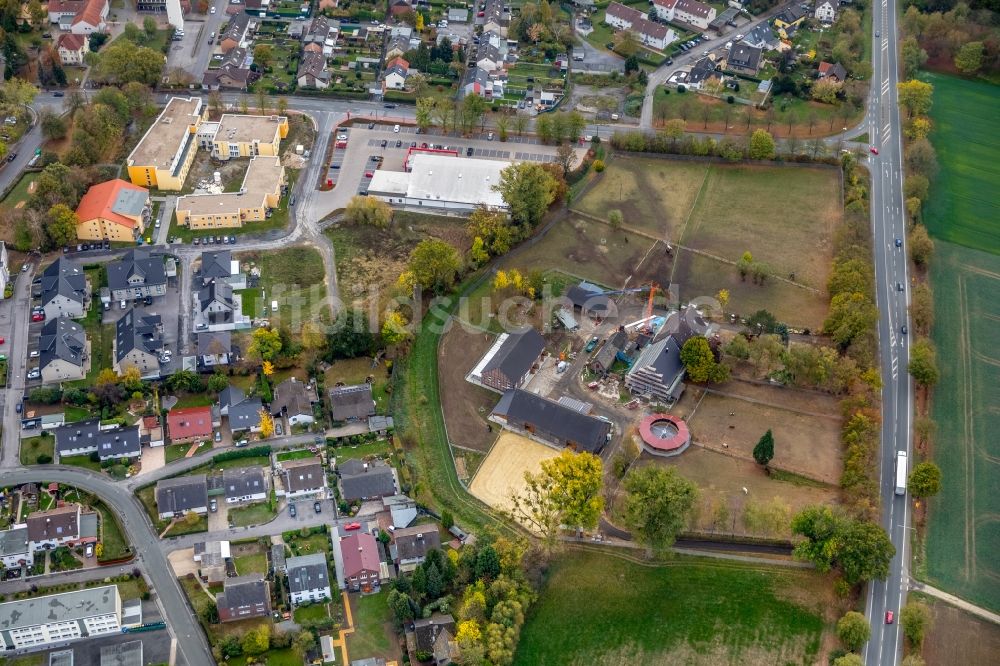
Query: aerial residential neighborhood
[498, 333]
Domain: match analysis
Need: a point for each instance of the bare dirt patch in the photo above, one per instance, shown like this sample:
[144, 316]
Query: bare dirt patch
[722, 504]
[807, 444]
[592, 250]
[654, 195]
[465, 405]
[955, 637]
[502, 473]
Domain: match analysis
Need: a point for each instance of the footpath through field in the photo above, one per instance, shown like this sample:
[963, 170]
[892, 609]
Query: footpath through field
[989, 616]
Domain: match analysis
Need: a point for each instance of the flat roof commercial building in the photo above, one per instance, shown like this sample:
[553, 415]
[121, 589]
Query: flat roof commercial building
[58, 618]
[260, 192]
[163, 156]
[441, 182]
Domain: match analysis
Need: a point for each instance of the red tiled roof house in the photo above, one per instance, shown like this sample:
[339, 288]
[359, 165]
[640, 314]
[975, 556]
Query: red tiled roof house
[189, 424]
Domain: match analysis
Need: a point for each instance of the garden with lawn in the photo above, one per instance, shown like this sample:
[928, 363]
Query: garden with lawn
[38, 450]
[254, 514]
[373, 631]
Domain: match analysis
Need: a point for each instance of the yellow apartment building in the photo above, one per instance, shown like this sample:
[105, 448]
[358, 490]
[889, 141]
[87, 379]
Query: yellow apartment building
[115, 210]
[248, 136]
[164, 155]
[260, 192]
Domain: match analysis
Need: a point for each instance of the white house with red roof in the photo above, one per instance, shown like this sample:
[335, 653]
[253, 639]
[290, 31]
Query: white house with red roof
[72, 48]
[362, 566]
[80, 17]
[649, 33]
[685, 11]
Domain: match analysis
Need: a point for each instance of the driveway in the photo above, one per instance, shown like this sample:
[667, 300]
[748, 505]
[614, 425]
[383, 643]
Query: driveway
[153, 458]
[218, 521]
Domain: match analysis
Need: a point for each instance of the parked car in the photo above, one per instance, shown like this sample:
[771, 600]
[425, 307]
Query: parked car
[89, 550]
[291, 510]
[35, 374]
[34, 354]
[218, 435]
[17, 408]
[317, 506]
[593, 343]
[384, 143]
[37, 316]
[396, 129]
[213, 505]
[468, 151]
[371, 125]
[123, 305]
[352, 526]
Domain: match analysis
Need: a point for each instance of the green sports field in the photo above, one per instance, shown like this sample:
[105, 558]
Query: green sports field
[963, 536]
[964, 206]
[597, 609]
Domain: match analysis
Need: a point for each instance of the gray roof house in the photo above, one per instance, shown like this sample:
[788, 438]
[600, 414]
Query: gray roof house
[138, 274]
[589, 298]
[508, 363]
[216, 303]
[361, 480]
[351, 403]
[411, 545]
[243, 412]
[658, 372]
[244, 484]
[552, 422]
[62, 348]
[293, 399]
[744, 59]
[138, 343]
[177, 496]
[14, 547]
[84, 437]
[762, 37]
[215, 348]
[458, 15]
[64, 289]
[216, 265]
[434, 635]
[244, 597]
[308, 578]
[305, 476]
[312, 72]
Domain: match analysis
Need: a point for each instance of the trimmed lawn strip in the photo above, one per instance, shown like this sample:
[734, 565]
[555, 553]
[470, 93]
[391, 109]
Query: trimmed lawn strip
[256, 563]
[255, 514]
[181, 527]
[360, 451]
[314, 612]
[295, 455]
[371, 617]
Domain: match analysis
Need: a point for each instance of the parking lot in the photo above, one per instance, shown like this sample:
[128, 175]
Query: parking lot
[365, 151]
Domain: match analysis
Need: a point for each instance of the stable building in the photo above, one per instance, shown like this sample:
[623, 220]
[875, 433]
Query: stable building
[510, 362]
[550, 422]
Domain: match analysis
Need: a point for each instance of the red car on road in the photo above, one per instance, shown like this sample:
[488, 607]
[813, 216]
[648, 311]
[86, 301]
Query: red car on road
[352, 526]
[37, 316]
[888, 617]
[874, 150]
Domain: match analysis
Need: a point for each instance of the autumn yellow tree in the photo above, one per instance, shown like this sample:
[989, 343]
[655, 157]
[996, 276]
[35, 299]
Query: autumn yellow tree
[132, 379]
[266, 424]
[267, 368]
[106, 376]
[419, 25]
[723, 297]
[312, 336]
[394, 329]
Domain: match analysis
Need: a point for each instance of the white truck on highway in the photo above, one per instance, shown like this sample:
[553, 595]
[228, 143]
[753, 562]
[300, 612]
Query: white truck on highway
[901, 472]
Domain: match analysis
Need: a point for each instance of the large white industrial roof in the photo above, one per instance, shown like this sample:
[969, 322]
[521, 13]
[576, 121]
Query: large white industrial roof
[445, 178]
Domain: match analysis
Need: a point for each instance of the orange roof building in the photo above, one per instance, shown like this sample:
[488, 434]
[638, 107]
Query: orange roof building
[115, 210]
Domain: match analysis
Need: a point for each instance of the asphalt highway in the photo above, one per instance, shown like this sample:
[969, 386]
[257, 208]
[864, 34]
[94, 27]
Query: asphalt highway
[892, 287]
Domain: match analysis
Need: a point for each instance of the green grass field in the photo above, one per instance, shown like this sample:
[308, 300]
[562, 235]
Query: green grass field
[255, 514]
[963, 535]
[598, 609]
[114, 542]
[965, 199]
[256, 563]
